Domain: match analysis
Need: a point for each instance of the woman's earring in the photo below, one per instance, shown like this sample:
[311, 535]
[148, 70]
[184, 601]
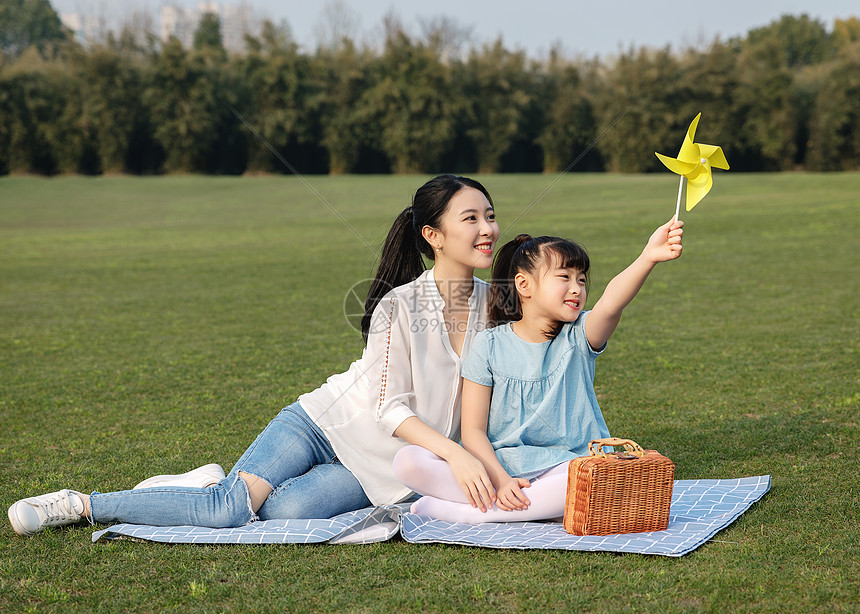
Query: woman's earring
[438, 250]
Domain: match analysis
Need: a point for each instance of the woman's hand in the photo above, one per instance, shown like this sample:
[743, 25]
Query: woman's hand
[665, 243]
[473, 479]
[509, 495]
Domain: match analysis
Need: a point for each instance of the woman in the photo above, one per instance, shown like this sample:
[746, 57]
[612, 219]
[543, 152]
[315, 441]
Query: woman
[331, 451]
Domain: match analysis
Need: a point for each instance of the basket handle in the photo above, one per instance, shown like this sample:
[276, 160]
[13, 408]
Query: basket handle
[595, 447]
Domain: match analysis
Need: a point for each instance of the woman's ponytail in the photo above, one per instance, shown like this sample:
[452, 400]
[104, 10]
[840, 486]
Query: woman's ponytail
[504, 302]
[400, 263]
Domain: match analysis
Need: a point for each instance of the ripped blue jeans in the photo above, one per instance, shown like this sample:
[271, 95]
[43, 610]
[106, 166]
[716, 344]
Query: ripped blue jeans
[291, 454]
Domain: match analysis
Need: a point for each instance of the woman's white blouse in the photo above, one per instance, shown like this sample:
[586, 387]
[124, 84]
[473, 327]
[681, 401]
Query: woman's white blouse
[407, 369]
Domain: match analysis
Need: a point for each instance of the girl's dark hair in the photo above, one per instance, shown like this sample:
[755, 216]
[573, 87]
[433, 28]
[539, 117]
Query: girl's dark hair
[527, 254]
[401, 260]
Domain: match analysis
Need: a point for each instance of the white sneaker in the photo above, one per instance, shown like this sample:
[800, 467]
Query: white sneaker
[56, 509]
[196, 478]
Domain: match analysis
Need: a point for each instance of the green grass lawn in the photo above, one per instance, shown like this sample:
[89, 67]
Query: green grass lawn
[150, 325]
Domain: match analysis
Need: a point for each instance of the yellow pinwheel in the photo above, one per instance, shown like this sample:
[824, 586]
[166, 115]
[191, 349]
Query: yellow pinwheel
[694, 162]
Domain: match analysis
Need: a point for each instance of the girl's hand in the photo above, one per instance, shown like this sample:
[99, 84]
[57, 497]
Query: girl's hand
[665, 243]
[473, 479]
[509, 497]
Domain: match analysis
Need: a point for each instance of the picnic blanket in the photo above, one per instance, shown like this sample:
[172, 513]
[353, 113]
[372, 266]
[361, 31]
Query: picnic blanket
[368, 525]
[699, 509]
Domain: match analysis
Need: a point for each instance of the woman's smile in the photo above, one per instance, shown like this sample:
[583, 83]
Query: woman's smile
[485, 248]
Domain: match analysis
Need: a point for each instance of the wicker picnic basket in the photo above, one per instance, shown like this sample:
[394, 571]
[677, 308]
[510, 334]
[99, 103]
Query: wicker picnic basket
[618, 492]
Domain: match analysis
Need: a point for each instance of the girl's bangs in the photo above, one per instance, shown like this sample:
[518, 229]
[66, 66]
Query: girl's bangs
[569, 254]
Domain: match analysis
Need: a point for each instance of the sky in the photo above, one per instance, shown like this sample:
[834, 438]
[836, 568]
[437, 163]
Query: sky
[586, 28]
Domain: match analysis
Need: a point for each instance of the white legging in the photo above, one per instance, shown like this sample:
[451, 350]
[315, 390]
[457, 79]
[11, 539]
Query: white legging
[427, 474]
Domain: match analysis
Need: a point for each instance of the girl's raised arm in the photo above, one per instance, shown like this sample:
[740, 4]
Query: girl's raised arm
[664, 245]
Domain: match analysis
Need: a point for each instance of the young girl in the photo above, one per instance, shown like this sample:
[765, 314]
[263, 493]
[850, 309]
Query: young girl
[529, 405]
[331, 451]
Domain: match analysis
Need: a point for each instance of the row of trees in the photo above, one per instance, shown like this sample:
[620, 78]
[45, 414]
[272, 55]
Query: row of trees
[785, 96]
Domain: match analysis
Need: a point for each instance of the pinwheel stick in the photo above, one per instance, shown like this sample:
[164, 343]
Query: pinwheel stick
[678, 204]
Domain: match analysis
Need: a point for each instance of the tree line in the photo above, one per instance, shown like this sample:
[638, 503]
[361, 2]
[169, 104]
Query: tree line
[784, 96]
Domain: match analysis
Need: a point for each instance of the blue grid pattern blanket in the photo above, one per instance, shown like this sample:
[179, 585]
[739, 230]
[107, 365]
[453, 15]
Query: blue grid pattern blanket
[700, 508]
[359, 527]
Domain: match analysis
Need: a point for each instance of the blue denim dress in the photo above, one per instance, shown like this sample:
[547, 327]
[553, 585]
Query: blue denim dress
[543, 410]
